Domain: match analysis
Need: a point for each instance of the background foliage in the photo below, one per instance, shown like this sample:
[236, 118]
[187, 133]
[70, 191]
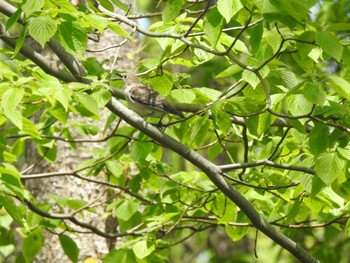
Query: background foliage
[265, 87]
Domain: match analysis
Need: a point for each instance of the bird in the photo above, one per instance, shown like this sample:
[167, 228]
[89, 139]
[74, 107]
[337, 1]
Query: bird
[144, 100]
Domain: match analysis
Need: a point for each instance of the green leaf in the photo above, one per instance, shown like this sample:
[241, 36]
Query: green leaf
[7, 250]
[49, 154]
[107, 4]
[265, 121]
[101, 96]
[342, 87]
[345, 153]
[201, 56]
[143, 248]
[161, 84]
[86, 128]
[328, 167]
[126, 209]
[120, 255]
[121, 5]
[12, 209]
[99, 22]
[11, 179]
[319, 139]
[31, 6]
[288, 78]
[342, 189]
[20, 40]
[76, 203]
[119, 30]
[69, 247]
[15, 117]
[236, 233]
[13, 19]
[258, 124]
[297, 9]
[59, 112]
[139, 150]
[6, 72]
[115, 167]
[256, 34]
[221, 119]
[87, 102]
[11, 98]
[339, 27]
[183, 95]
[298, 104]
[266, 6]
[227, 40]
[330, 44]
[230, 71]
[314, 93]
[196, 133]
[306, 63]
[251, 78]
[228, 8]
[213, 24]
[42, 28]
[303, 48]
[30, 129]
[172, 9]
[63, 95]
[73, 38]
[32, 245]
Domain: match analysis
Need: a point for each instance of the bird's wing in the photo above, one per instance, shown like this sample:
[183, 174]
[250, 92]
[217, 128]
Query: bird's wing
[143, 94]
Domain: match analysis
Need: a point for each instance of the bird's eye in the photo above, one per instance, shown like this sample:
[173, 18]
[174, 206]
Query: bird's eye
[121, 75]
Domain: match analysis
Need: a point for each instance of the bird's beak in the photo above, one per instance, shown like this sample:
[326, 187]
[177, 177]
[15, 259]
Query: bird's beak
[121, 75]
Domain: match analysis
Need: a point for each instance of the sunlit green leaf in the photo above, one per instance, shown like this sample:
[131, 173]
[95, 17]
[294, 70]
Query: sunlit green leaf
[69, 247]
[341, 86]
[126, 209]
[143, 249]
[42, 29]
[172, 9]
[32, 245]
[119, 30]
[31, 6]
[315, 93]
[11, 208]
[213, 24]
[229, 8]
[120, 255]
[11, 98]
[15, 117]
[330, 44]
[298, 104]
[73, 37]
[101, 96]
[87, 102]
[183, 95]
[328, 167]
[318, 139]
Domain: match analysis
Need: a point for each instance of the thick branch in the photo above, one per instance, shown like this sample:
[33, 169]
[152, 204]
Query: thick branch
[40, 60]
[215, 175]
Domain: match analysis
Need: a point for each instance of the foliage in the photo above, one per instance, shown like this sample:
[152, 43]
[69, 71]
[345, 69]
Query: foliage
[271, 81]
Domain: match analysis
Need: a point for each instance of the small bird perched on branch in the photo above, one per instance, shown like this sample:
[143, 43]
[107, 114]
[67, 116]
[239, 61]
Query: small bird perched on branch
[144, 100]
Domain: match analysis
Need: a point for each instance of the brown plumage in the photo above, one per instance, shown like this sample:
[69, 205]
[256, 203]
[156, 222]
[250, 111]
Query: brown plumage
[146, 101]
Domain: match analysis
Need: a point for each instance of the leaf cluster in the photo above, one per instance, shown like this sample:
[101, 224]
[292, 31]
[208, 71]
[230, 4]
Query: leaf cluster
[265, 89]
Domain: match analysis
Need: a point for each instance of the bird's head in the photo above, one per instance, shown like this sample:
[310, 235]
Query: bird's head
[129, 78]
